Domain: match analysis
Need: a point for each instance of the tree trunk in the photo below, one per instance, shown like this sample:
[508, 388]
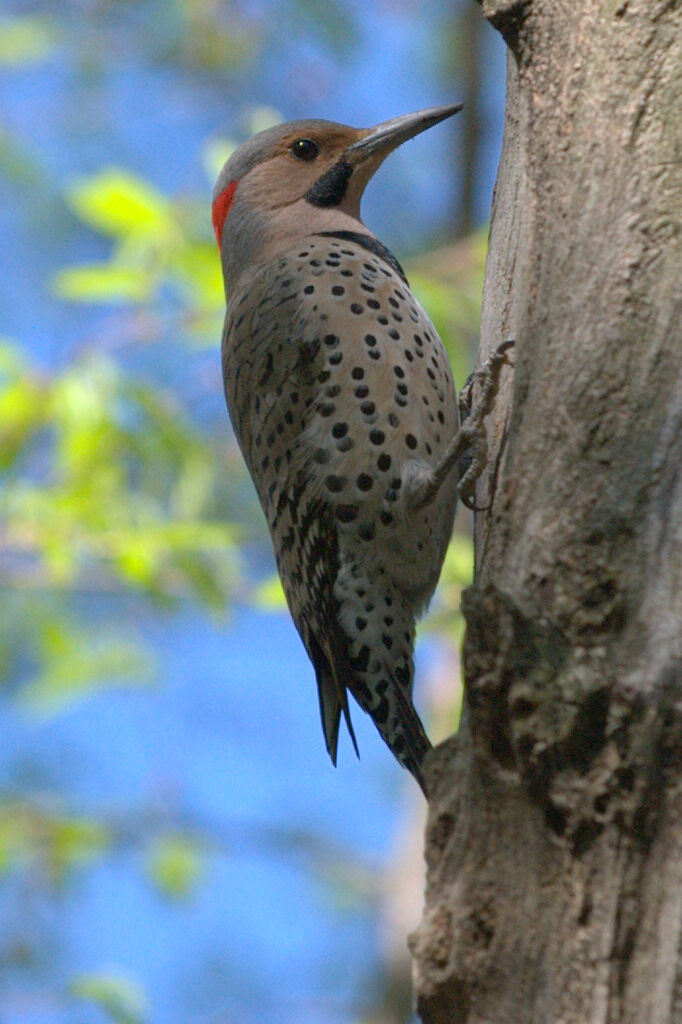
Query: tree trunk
[554, 843]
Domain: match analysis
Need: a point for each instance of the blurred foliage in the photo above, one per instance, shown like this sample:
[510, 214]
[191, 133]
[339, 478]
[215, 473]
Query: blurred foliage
[110, 483]
[25, 40]
[121, 1000]
[175, 864]
[448, 281]
[445, 617]
[157, 253]
[269, 595]
[106, 483]
[47, 844]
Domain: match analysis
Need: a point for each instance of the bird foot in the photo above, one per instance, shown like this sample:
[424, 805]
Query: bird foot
[469, 446]
[475, 459]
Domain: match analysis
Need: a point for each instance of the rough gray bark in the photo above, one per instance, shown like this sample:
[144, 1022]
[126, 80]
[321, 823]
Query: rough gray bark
[554, 843]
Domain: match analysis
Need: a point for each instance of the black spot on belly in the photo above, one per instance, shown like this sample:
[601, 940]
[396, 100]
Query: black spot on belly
[346, 513]
[335, 483]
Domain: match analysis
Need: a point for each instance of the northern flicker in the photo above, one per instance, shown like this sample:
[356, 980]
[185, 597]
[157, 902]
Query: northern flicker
[343, 404]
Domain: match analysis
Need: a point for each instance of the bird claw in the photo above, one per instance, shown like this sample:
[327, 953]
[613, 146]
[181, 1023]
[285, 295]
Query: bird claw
[468, 502]
[475, 457]
[488, 377]
[469, 445]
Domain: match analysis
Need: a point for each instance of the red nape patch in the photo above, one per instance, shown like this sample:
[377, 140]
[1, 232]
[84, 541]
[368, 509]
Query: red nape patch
[221, 208]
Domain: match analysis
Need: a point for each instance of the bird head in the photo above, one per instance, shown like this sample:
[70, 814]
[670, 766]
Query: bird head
[298, 178]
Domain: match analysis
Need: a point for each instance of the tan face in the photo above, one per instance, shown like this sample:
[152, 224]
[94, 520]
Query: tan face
[327, 164]
[297, 162]
[305, 162]
[291, 177]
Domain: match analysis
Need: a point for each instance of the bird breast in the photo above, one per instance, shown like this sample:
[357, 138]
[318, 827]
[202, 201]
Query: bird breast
[339, 388]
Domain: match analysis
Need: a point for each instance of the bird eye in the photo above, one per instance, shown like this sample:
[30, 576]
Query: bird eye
[305, 149]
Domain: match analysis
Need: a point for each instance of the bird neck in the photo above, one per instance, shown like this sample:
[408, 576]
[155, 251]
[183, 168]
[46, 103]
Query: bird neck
[254, 237]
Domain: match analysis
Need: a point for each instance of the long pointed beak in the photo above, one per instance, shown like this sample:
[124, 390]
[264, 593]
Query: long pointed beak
[385, 137]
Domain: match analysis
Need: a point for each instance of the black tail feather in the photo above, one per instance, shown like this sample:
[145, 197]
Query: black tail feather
[333, 699]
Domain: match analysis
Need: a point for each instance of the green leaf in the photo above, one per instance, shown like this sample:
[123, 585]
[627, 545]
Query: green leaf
[74, 842]
[25, 40]
[175, 865]
[31, 834]
[76, 666]
[21, 404]
[104, 282]
[138, 561]
[459, 561]
[269, 595]
[202, 576]
[121, 998]
[119, 204]
[445, 615]
[197, 270]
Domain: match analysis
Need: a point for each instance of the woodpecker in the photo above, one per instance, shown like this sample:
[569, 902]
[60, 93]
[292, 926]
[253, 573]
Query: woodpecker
[344, 407]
